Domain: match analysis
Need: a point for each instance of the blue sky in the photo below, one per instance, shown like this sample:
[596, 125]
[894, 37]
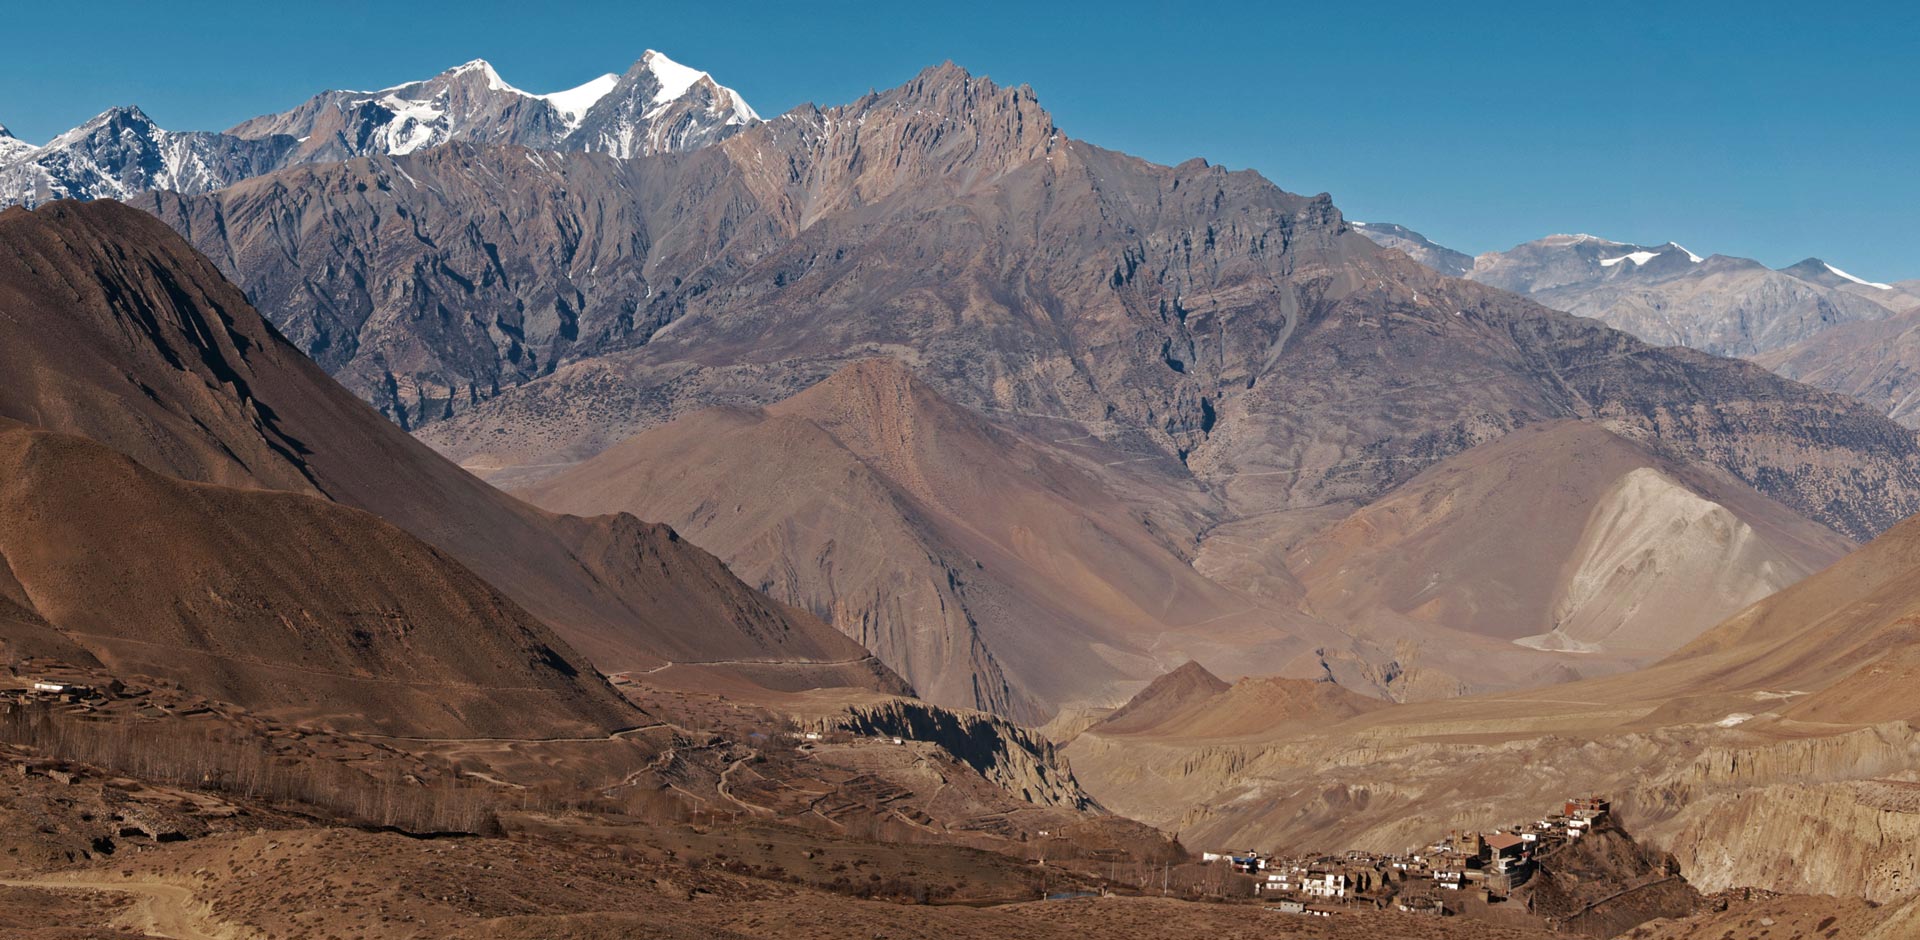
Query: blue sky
[1774, 131]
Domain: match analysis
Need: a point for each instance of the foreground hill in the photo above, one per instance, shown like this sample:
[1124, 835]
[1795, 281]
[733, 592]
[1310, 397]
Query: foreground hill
[1190, 701]
[296, 606]
[117, 331]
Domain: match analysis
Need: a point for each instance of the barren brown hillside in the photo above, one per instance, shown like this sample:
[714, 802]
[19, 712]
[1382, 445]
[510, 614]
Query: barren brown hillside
[1559, 536]
[1003, 569]
[991, 569]
[121, 333]
[1190, 702]
[286, 603]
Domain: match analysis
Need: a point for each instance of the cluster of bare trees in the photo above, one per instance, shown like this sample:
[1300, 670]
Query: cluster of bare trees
[231, 761]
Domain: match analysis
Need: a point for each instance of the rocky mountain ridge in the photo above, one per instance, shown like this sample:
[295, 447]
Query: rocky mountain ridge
[656, 106]
[1229, 361]
[1668, 295]
[1417, 246]
[1876, 361]
[1050, 280]
[1811, 314]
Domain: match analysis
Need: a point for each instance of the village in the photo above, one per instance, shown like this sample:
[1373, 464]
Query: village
[1465, 869]
[1463, 872]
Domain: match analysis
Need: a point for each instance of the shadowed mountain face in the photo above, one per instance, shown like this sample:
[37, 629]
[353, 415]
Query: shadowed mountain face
[288, 604]
[1876, 361]
[117, 331]
[1182, 312]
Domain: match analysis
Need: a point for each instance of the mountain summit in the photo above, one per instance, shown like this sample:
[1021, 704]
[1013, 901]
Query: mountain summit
[1669, 295]
[656, 106]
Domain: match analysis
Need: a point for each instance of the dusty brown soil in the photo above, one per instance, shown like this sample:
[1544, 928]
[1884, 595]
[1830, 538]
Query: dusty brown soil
[1756, 915]
[321, 883]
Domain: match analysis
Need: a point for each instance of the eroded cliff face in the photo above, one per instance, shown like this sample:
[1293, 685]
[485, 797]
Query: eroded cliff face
[1020, 761]
[1857, 837]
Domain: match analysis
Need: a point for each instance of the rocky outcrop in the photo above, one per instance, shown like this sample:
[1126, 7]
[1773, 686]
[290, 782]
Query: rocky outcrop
[1604, 884]
[1014, 758]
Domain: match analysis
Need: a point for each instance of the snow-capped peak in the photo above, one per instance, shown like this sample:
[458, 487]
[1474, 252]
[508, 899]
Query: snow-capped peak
[1865, 283]
[1643, 255]
[1637, 257]
[675, 80]
[485, 68]
[11, 146]
[481, 66]
[655, 106]
[127, 114]
[672, 82]
[574, 102]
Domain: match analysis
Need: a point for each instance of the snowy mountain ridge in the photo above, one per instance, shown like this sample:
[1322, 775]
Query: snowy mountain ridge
[657, 105]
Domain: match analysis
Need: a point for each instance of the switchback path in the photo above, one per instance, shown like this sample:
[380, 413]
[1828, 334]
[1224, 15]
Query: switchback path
[721, 786]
